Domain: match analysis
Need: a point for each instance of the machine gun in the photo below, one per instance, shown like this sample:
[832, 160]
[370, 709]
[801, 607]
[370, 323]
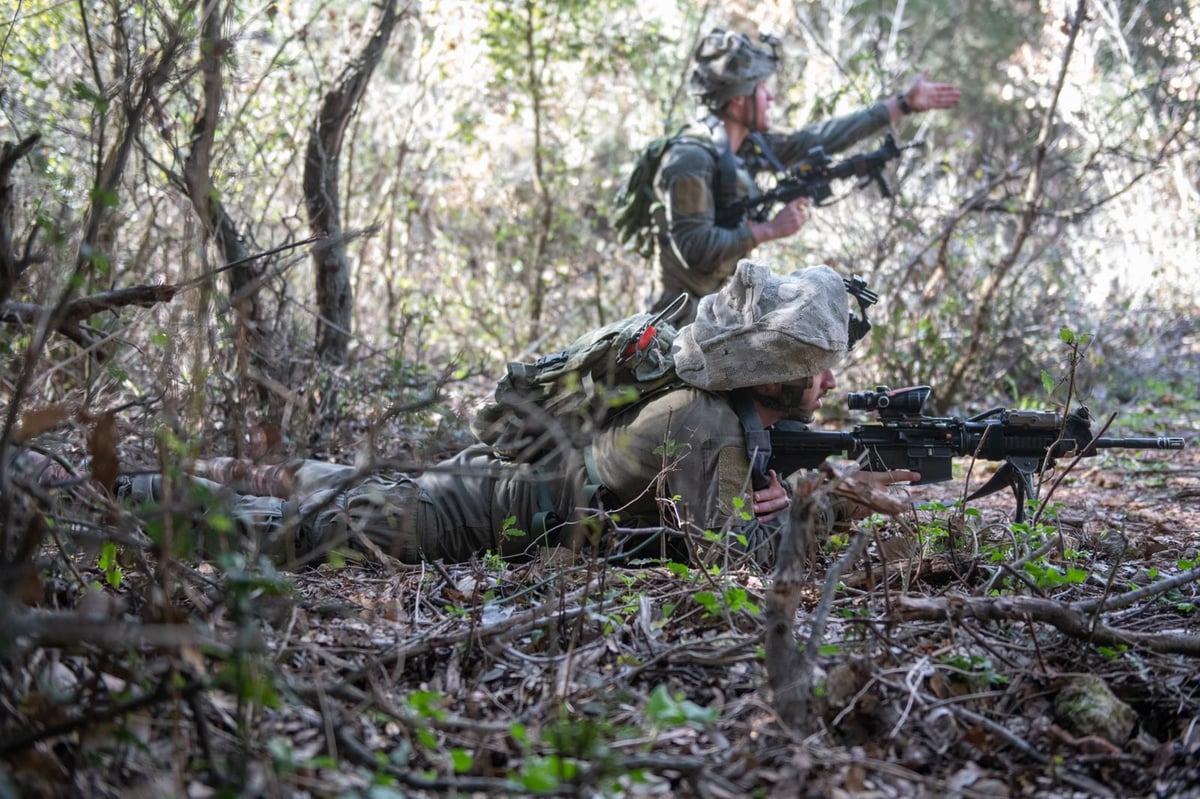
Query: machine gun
[812, 178]
[1028, 442]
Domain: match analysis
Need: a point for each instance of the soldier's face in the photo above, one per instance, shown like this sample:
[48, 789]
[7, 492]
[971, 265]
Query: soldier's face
[753, 111]
[806, 399]
[822, 384]
[797, 400]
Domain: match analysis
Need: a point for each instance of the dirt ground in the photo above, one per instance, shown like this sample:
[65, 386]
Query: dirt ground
[567, 679]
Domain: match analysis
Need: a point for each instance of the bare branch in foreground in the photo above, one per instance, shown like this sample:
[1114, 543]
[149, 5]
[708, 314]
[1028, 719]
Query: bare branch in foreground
[789, 667]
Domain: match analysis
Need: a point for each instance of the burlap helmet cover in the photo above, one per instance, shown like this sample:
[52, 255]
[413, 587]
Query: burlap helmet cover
[761, 328]
[728, 65]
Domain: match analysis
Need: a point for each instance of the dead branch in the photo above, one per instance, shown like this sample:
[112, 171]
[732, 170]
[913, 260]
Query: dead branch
[76, 311]
[68, 628]
[143, 296]
[789, 668]
[1081, 781]
[1032, 199]
[561, 609]
[1068, 619]
[67, 319]
[1133, 597]
[789, 673]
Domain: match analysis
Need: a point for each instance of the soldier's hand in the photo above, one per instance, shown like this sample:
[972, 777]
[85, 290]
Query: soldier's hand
[791, 217]
[772, 500]
[924, 95]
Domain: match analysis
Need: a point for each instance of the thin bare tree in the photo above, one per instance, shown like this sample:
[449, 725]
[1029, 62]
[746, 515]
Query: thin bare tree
[326, 135]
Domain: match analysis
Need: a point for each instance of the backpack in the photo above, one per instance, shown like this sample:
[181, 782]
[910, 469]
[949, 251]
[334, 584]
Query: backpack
[558, 401]
[633, 218]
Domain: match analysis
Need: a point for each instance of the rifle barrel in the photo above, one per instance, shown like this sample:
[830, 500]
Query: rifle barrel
[1160, 442]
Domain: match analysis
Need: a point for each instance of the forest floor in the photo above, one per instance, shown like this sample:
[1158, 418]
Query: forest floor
[559, 678]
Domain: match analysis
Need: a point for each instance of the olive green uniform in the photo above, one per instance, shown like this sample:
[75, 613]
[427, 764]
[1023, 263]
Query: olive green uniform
[677, 460]
[689, 446]
[693, 253]
[461, 507]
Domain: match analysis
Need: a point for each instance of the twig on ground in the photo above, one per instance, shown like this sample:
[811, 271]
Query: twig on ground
[1067, 618]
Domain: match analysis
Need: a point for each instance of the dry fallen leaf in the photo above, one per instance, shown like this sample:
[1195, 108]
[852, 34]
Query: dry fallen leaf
[36, 421]
[102, 446]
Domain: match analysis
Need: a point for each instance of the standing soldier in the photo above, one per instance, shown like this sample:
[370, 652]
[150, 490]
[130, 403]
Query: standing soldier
[711, 164]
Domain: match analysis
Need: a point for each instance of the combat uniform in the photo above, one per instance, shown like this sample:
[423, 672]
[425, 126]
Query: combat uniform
[694, 253]
[688, 445]
[684, 444]
[453, 511]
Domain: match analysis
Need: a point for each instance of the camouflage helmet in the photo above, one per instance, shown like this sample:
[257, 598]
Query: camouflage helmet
[728, 65]
[762, 328]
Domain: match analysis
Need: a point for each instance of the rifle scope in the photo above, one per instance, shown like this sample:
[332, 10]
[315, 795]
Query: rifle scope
[890, 402]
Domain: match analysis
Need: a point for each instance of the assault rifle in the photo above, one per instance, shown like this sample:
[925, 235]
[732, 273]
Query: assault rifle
[812, 177]
[1028, 442]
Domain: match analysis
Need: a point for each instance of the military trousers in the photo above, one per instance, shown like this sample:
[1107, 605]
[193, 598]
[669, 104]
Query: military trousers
[460, 508]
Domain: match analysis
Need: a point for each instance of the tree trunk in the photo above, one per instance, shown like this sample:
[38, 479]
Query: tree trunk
[197, 169]
[332, 267]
